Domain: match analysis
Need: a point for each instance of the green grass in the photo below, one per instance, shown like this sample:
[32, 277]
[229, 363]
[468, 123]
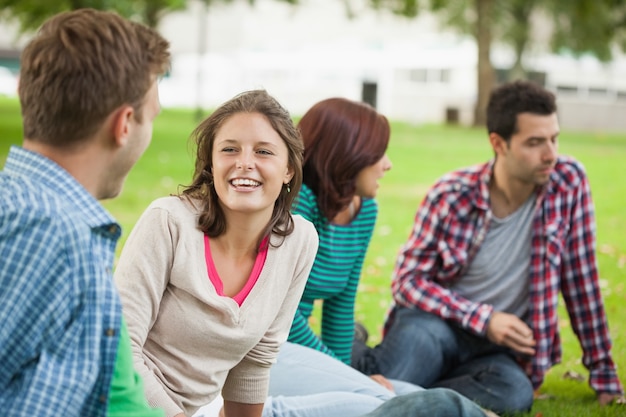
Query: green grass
[420, 154]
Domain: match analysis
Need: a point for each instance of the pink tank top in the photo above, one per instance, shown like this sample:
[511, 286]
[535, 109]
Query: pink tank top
[252, 279]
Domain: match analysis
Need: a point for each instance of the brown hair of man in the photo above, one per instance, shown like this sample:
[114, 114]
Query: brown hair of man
[79, 68]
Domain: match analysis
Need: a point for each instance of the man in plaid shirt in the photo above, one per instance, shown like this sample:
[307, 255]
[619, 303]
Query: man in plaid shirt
[88, 95]
[476, 286]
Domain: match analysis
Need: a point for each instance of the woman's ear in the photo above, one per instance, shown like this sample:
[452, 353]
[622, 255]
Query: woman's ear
[288, 175]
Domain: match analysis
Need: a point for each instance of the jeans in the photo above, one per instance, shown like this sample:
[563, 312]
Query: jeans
[435, 402]
[308, 383]
[300, 370]
[423, 349]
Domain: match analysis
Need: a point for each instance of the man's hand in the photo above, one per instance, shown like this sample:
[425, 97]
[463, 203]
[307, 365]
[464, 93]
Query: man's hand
[508, 330]
[382, 381]
[606, 399]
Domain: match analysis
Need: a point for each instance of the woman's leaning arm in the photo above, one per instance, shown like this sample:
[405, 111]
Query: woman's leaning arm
[142, 275]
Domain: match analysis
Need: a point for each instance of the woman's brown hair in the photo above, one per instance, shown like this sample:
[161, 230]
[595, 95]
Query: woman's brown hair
[341, 137]
[212, 220]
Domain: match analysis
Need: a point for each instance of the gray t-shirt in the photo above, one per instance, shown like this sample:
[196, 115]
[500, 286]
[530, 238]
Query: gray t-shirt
[498, 275]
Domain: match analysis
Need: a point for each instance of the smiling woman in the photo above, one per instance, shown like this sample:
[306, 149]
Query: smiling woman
[198, 271]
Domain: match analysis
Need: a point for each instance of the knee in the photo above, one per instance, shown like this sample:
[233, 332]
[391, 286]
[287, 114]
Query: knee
[421, 326]
[440, 402]
[519, 399]
[516, 396]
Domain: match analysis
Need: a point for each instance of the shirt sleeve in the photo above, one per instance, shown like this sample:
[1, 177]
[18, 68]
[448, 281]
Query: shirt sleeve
[302, 333]
[45, 369]
[142, 275]
[127, 398]
[416, 282]
[581, 293]
[338, 315]
[338, 311]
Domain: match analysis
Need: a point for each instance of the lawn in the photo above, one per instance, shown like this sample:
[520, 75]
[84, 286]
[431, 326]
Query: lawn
[420, 154]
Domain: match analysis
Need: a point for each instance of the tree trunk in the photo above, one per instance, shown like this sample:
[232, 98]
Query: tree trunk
[151, 14]
[485, 69]
[520, 11]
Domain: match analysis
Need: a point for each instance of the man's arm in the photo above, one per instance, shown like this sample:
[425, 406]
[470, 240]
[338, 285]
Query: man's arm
[43, 371]
[581, 292]
[430, 253]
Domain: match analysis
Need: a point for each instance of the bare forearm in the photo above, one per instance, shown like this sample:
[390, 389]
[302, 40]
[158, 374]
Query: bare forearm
[235, 409]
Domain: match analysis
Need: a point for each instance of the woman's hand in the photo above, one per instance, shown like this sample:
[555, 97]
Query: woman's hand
[382, 381]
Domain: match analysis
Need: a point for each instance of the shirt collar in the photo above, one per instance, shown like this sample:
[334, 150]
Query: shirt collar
[481, 196]
[41, 170]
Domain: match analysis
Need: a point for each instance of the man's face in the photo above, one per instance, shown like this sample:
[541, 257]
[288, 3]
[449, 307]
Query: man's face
[530, 155]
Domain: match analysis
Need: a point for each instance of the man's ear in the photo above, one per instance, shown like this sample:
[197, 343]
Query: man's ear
[121, 125]
[498, 144]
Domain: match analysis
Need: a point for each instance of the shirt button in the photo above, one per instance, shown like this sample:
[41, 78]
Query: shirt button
[103, 398]
[113, 229]
[110, 332]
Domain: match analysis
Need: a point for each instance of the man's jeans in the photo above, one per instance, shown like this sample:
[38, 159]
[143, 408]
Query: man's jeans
[423, 349]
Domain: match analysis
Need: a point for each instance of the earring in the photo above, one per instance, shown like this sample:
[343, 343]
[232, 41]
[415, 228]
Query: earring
[288, 188]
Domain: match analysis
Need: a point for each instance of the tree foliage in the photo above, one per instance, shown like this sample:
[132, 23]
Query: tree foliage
[579, 26]
[589, 26]
[31, 13]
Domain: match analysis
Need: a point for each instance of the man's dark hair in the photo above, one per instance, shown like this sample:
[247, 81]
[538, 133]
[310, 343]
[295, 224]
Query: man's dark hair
[511, 99]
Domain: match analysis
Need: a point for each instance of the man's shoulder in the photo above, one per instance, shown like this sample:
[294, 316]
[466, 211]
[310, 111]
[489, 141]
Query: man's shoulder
[23, 198]
[568, 173]
[460, 181]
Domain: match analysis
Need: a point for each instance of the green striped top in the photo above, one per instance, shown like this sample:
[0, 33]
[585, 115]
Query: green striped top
[334, 277]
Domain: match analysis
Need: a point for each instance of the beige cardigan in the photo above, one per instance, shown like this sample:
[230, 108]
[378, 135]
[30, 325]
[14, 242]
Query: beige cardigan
[188, 342]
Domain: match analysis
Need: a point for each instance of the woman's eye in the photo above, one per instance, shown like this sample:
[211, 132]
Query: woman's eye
[264, 152]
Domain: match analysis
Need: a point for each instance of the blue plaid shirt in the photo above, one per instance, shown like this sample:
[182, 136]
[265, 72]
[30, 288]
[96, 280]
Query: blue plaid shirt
[60, 314]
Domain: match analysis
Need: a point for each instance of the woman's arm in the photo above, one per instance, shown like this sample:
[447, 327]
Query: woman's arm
[235, 409]
[142, 276]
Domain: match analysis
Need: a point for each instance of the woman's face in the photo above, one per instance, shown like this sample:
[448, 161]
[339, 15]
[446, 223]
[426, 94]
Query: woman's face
[367, 179]
[250, 164]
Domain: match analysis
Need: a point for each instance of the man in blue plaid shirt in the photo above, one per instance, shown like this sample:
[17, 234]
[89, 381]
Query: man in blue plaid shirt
[88, 93]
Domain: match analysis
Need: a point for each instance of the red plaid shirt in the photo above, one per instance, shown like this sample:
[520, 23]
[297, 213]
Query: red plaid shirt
[449, 228]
